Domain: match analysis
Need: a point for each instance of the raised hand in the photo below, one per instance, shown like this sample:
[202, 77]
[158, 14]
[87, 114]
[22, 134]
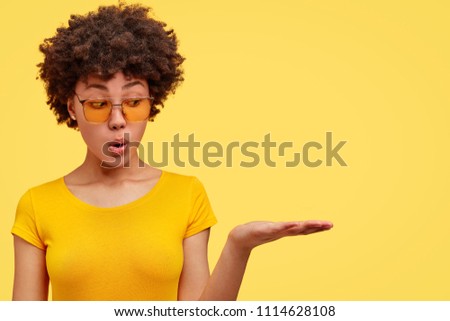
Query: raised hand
[247, 236]
[226, 278]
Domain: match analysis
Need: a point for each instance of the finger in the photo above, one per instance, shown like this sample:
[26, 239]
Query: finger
[309, 227]
[314, 230]
[281, 229]
[311, 223]
[317, 223]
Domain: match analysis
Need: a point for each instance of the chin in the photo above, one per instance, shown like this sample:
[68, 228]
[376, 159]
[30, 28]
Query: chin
[115, 162]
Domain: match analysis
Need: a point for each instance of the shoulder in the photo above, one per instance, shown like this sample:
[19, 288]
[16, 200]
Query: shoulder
[35, 201]
[45, 191]
[46, 187]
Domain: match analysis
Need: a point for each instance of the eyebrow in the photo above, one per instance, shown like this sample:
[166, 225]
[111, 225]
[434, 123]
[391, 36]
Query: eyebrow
[126, 86]
[132, 84]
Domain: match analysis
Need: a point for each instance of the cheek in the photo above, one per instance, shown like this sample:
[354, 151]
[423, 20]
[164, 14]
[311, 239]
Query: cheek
[136, 132]
[91, 137]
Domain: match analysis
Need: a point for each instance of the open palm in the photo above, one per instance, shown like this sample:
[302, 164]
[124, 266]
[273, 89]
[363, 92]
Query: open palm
[252, 234]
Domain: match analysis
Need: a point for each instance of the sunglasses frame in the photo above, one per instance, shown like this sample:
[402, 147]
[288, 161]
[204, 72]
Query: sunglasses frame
[82, 101]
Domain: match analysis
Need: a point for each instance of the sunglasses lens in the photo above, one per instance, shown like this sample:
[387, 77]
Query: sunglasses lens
[97, 110]
[136, 109]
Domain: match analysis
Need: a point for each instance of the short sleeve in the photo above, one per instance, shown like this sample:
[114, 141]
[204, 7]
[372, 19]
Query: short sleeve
[201, 215]
[25, 225]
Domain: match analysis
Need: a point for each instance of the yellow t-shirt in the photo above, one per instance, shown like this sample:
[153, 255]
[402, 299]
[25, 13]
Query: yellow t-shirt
[129, 252]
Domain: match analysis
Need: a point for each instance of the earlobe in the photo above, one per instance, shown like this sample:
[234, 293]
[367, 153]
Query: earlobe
[70, 109]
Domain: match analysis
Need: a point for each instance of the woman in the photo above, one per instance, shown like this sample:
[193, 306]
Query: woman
[115, 228]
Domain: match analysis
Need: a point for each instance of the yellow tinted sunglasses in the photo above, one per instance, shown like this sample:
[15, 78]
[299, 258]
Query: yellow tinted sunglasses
[98, 110]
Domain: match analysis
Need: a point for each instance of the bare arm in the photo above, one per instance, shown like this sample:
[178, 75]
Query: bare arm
[195, 273]
[30, 272]
[225, 281]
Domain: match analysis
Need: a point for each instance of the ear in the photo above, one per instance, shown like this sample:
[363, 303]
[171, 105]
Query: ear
[71, 109]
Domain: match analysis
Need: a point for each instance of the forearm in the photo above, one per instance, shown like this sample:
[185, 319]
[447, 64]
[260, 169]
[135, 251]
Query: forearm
[226, 279]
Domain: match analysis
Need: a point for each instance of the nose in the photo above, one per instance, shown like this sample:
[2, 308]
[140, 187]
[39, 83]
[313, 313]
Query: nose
[117, 119]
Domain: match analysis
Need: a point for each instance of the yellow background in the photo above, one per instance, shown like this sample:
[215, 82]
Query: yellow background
[375, 73]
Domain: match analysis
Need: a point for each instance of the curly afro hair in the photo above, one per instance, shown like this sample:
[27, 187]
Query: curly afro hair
[112, 39]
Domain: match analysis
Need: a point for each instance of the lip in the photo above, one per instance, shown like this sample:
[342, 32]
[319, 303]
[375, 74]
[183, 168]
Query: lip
[117, 146]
